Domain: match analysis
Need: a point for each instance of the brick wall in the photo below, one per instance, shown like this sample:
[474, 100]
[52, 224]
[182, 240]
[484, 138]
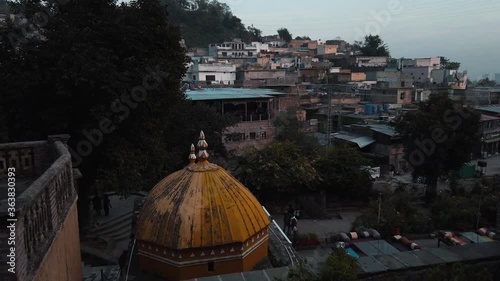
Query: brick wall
[257, 134]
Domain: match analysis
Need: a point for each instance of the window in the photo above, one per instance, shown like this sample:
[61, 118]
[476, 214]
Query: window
[263, 135]
[194, 77]
[250, 54]
[253, 136]
[224, 54]
[210, 78]
[402, 83]
[211, 266]
[402, 96]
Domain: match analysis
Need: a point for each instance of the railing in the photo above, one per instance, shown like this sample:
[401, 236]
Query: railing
[43, 206]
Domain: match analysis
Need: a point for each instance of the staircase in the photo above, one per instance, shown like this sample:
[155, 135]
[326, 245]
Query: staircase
[115, 229]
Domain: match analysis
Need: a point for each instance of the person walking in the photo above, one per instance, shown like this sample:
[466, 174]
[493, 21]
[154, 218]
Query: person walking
[96, 202]
[293, 226]
[106, 204]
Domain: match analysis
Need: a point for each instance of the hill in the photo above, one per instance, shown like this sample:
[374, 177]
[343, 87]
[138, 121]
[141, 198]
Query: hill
[204, 22]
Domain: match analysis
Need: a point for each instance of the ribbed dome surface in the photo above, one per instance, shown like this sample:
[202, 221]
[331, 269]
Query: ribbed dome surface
[200, 206]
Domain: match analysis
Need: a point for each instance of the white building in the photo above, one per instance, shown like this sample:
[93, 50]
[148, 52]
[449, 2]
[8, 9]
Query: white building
[236, 49]
[211, 73]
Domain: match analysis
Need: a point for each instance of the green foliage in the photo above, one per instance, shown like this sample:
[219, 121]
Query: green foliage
[280, 167]
[303, 38]
[373, 46]
[457, 272]
[92, 56]
[205, 22]
[397, 210]
[486, 82]
[447, 64]
[341, 174]
[439, 138]
[301, 272]
[285, 34]
[339, 267]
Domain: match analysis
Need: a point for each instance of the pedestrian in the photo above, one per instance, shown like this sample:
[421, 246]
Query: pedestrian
[106, 204]
[286, 221]
[96, 202]
[298, 212]
[122, 261]
[293, 226]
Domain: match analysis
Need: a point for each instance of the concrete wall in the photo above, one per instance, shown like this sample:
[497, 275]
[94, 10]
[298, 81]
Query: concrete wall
[326, 49]
[62, 261]
[262, 130]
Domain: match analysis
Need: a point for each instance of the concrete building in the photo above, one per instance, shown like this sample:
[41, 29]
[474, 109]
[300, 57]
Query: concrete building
[260, 77]
[369, 61]
[201, 221]
[448, 77]
[236, 49]
[211, 73]
[497, 78]
[420, 70]
[490, 136]
[326, 49]
[46, 231]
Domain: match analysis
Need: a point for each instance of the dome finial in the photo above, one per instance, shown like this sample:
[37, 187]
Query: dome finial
[192, 156]
[202, 147]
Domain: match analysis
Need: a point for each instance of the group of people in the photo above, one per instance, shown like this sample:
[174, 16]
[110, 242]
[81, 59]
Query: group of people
[290, 221]
[101, 203]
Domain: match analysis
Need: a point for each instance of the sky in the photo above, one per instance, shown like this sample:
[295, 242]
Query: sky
[467, 31]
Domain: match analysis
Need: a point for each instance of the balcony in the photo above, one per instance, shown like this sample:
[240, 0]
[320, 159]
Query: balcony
[44, 194]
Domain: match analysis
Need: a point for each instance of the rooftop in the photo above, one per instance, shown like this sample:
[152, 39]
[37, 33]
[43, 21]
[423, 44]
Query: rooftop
[230, 94]
[361, 141]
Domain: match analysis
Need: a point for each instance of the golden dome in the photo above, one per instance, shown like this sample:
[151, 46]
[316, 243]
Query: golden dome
[199, 206]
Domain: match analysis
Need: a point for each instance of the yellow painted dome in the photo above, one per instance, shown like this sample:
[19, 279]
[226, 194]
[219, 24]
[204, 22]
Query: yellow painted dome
[199, 206]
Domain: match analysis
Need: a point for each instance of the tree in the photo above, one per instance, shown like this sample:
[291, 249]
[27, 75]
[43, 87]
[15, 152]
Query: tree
[486, 82]
[373, 46]
[449, 65]
[254, 34]
[303, 38]
[109, 76]
[301, 272]
[280, 168]
[341, 173]
[339, 267]
[285, 34]
[438, 138]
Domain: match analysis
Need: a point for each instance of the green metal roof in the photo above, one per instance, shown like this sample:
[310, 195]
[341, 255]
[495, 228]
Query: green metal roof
[231, 94]
[361, 141]
[493, 109]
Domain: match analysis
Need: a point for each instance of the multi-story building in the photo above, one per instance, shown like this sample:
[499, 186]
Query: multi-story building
[47, 243]
[367, 62]
[420, 69]
[326, 49]
[236, 49]
[497, 78]
[211, 73]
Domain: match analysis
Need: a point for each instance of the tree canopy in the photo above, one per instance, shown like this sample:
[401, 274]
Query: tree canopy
[109, 75]
[372, 46]
[450, 65]
[303, 38]
[205, 22]
[284, 34]
[486, 82]
[438, 138]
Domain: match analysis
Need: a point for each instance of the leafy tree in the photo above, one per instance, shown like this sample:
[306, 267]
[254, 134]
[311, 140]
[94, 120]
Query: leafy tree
[288, 128]
[373, 46]
[438, 138]
[341, 174]
[486, 82]
[339, 267]
[205, 22]
[255, 34]
[447, 64]
[301, 272]
[279, 168]
[457, 272]
[89, 66]
[303, 38]
[285, 34]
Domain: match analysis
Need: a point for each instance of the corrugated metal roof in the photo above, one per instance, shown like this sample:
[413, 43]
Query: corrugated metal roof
[493, 109]
[383, 129]
[361, 141]
[231, 94]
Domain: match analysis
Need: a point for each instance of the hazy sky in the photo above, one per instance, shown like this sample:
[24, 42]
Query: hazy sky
[467, 31]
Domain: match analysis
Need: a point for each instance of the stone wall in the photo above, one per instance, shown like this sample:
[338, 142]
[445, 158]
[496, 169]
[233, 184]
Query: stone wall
[47, 224]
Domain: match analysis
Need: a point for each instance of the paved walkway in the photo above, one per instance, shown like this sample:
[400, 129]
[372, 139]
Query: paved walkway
[324, 228]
